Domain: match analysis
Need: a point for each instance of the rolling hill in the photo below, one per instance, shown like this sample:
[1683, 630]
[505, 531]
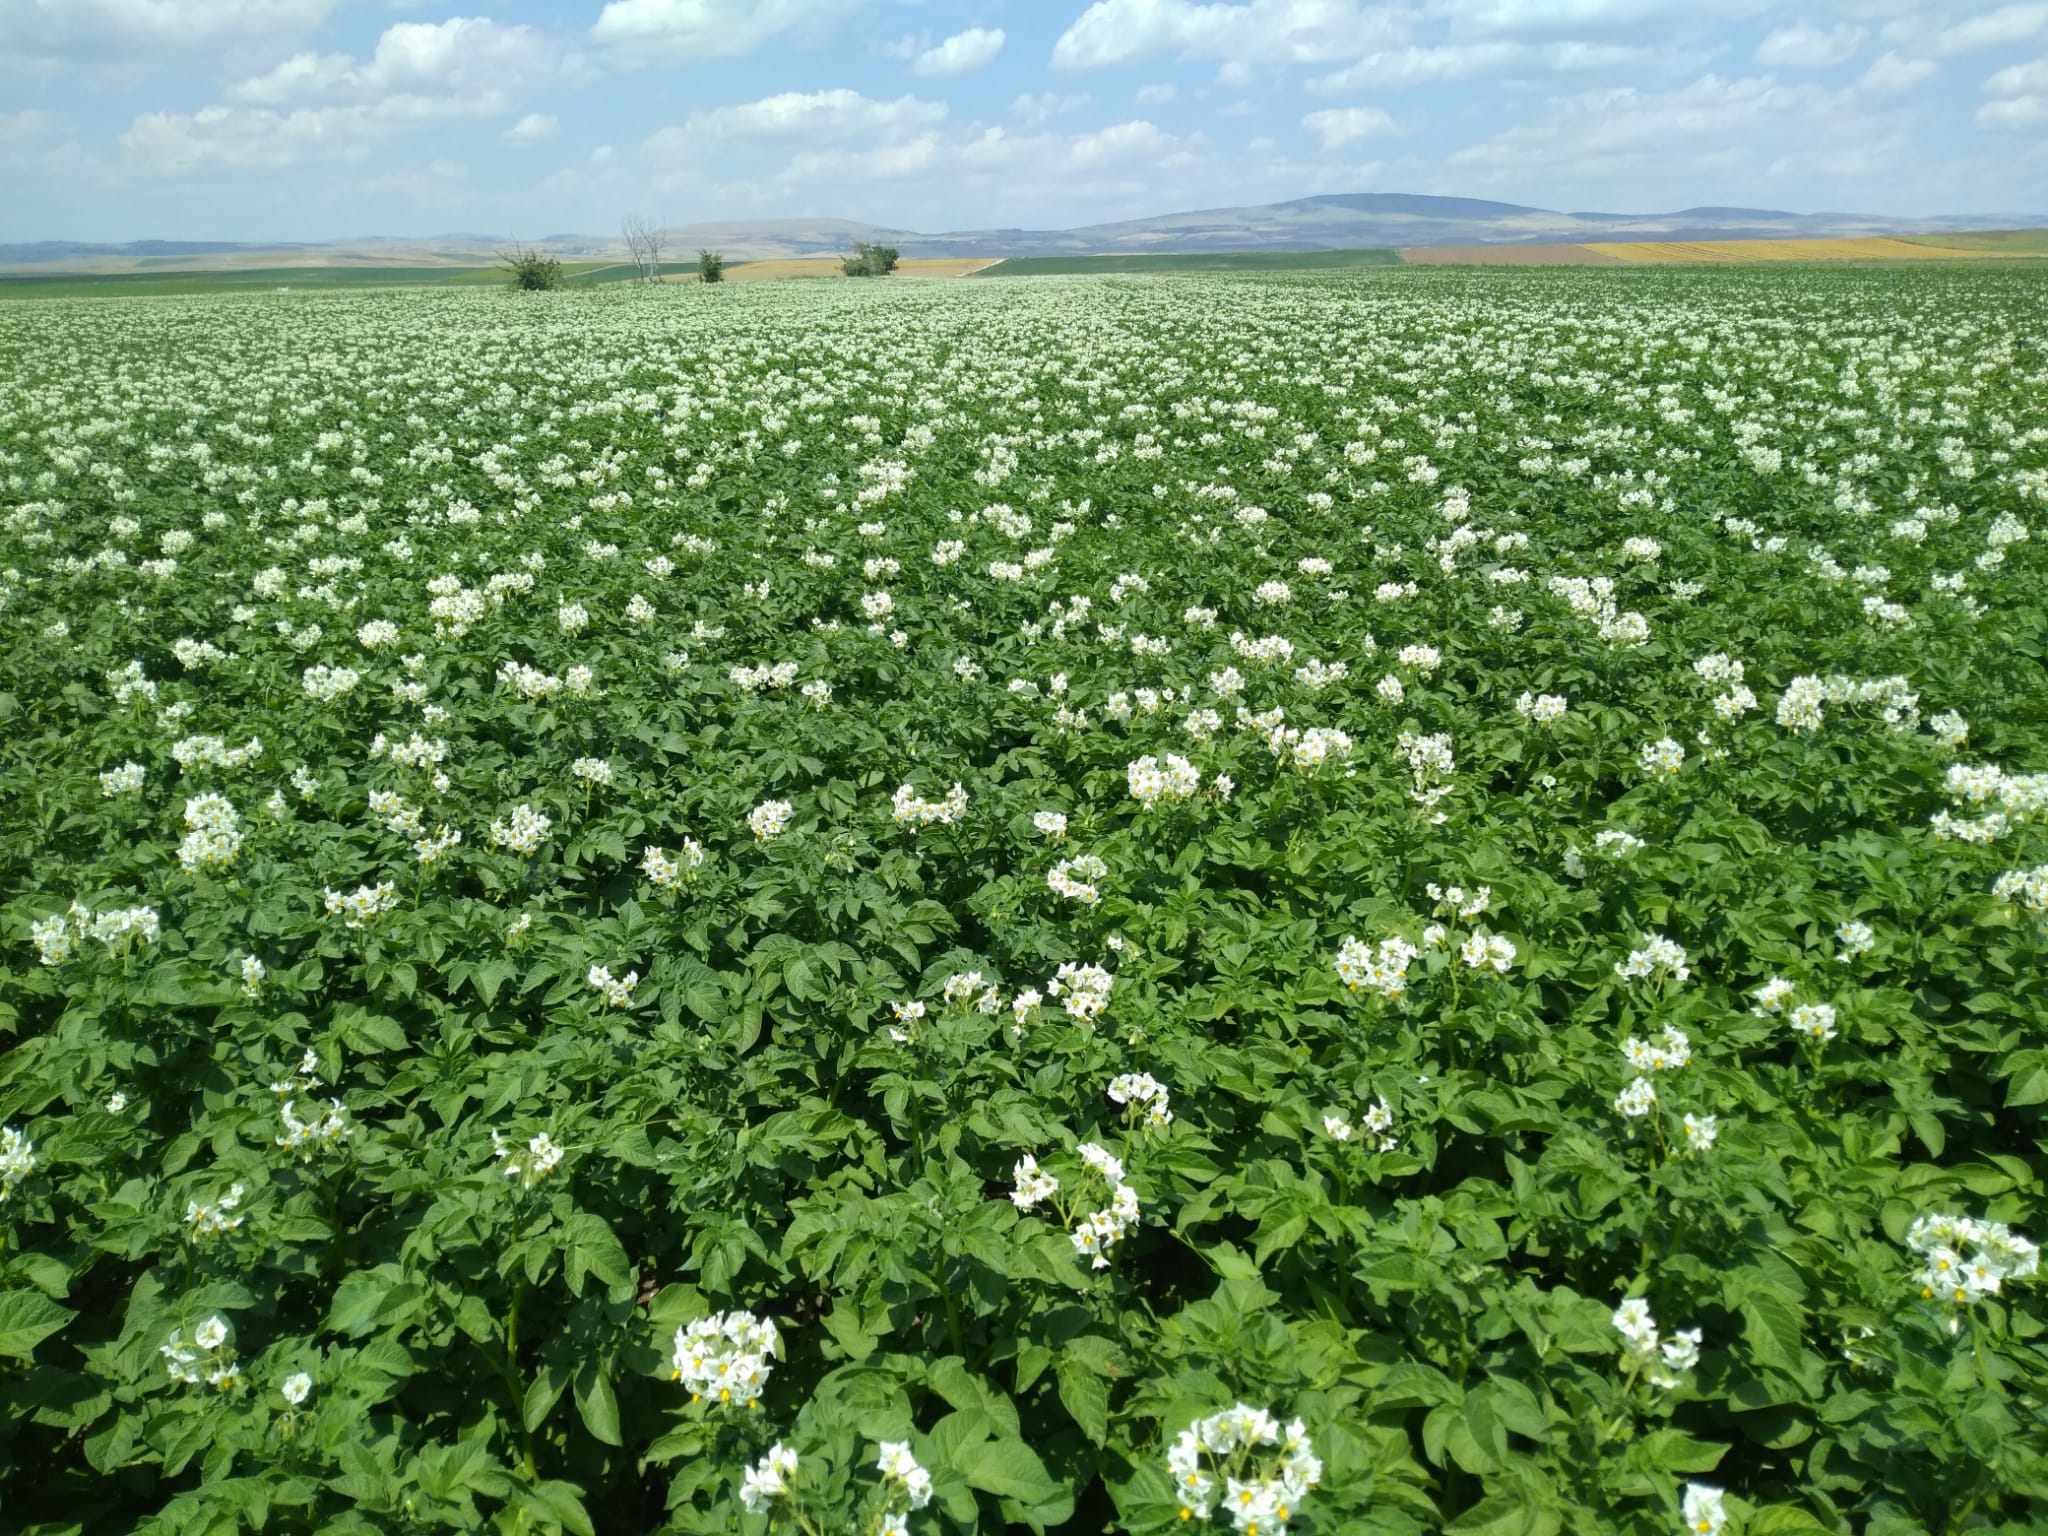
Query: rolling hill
[1344, 221]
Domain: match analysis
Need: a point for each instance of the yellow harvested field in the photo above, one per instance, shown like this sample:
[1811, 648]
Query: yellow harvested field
[1869, 248]
[828, 266]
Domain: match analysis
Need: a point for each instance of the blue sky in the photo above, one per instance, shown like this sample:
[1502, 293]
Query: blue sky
[322, 119]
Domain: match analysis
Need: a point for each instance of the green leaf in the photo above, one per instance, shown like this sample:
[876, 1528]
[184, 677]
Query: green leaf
[26, 1319]
[558, 1503]
[597, 1403]
[1011, 1470]
[1507, 1514]
[1085, 1396]
[541, 1396]
[1772, 1329]
[1781, 1520]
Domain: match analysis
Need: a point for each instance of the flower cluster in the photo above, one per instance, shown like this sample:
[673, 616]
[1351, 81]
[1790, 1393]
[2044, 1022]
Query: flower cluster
[1096, 1233]
[1144, 1099]
[1152, 785]
[1658, 960]
[768, 819]
[210, 1218]
[307, 1136]
[726, 1358]
[120, 929]
[768, 1481]
[1075, 878]
[670, 873]
[1383, 971]
[1643, 1354]
[1246, 1461]
[539, 1159]
[1083, 990]
[909, 809]
[2026, 889]
[523, 832]
[1963, 1259]
[617, 991]
[215, 839]
[361, 907]
[17, 1160]
[905, 1486]
[1377, 1122]
[209, 1358]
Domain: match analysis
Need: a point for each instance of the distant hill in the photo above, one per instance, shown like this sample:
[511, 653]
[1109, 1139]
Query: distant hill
[1344, 221]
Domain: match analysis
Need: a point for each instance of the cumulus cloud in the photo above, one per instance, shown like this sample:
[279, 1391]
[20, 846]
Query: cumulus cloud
[534, 128]
[2002, 28]
[1037, 111]
[1893, 73]
[1583, 18]
[2014, 114]
[2021, 92]
[800, 117]
[1750, 131]
[1505, 59]
[1340, 126]
[464, 67]
[642, 32]
[1155, 95]
[960, 54]
[56, 33]
[1254, 32]
[1805, 46]
[251, 138]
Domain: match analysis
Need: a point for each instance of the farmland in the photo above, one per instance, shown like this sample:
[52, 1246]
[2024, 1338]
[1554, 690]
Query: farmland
[1190, 261]
[1385, 902]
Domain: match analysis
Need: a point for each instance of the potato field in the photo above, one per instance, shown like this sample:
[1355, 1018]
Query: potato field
[1387, 903]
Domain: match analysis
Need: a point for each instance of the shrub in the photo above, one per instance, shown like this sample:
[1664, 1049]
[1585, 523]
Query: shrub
[869, 260]
[532, 271]
[710, 267]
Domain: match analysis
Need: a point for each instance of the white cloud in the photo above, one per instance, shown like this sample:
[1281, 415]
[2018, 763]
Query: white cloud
[808, 117]
[1578, 18]
[50, 33]
[534, 128]
[1501, 58]
[2019, 79]
[960, 54]
[464, 67]
[1255, 32]
[1892, 73]
[1155, 95]
[1805, 46]
[906, 47]
[2001, 28]
[1037, 111]
[2022, 104]
[2015, 114]
[1339, 126]
[316, 108]
[251, 138]
[1754, 133]
[640, 32]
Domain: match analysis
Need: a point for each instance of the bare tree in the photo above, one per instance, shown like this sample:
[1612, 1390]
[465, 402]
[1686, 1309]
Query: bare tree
[644, 239]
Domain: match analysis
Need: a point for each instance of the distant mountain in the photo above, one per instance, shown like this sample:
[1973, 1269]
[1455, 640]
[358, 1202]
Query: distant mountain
[1342, 221]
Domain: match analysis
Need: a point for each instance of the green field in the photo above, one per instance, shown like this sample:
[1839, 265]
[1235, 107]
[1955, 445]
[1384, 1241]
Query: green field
[2004, 242]
[69, 285]
[1191, 261]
